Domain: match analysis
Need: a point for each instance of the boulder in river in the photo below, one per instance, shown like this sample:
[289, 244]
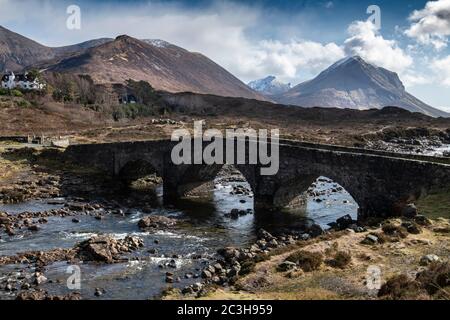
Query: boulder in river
[156, 222]
[107, 249]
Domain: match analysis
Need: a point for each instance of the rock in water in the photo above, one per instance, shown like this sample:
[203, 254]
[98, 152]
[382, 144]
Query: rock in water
[156, 222]
[107, 249]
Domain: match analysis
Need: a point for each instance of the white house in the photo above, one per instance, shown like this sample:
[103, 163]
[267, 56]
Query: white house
[21, 81]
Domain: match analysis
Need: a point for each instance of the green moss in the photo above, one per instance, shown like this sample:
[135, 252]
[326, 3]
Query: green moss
[435, 205]
[16, 93]
[23, 104]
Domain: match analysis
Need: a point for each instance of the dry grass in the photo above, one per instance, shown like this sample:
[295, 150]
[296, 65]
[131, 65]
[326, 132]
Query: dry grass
[328, 282]
[401, 288]
[341, 260]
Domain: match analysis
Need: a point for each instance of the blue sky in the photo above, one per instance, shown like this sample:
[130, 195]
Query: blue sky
[293, 40]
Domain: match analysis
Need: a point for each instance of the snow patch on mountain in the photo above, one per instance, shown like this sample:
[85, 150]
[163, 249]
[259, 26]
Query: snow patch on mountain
[269, 86]
[157, 43]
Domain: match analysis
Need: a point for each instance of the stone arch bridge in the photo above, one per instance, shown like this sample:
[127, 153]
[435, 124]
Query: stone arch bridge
[382, 183]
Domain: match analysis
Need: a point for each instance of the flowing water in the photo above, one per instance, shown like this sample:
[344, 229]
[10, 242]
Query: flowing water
[443, 150]
[205, 229]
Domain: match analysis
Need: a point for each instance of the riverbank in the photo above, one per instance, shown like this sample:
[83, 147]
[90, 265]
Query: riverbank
[346, 265]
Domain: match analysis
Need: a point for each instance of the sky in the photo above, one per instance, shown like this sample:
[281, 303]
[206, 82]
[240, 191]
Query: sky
[291, 39]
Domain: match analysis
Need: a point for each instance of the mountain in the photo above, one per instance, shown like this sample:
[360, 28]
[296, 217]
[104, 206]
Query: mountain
[164, 65]
[18, 52]
[353, 83]
[76, 48]
[269, 86]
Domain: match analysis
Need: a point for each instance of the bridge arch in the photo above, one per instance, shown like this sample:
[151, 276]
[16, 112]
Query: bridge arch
[136, 169]
[189, 178]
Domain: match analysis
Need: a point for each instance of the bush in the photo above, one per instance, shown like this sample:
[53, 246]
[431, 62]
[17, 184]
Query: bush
[382, 238]
[412, 227]
[4, 92]
[16, 93]
[394, 231]
[247, 267]
[400, 287]
[435, 278]
[22, 104]
[307, 261]
[260, 257]
[132, 111]
[144, 92]
[340, 260]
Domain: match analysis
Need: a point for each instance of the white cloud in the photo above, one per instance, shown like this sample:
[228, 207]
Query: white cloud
[441, 68]
[366, 42]
[411, 78]
[431, 25]
[218, 31]
[295, 59]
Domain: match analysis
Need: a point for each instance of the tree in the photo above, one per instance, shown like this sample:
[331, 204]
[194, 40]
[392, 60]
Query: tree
[64, 88]
[85, 89]
[35, 74]
[144, 92]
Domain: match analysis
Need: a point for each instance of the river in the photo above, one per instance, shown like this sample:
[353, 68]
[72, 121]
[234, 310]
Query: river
[205, 228]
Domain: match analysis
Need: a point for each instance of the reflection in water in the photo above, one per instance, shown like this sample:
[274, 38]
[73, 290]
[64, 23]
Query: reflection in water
[207, 226]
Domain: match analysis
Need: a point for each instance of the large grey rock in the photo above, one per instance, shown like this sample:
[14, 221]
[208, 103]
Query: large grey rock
[286, 266]
[428, 259]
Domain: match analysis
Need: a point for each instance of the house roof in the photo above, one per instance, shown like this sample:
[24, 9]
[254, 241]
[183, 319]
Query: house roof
[19, 77]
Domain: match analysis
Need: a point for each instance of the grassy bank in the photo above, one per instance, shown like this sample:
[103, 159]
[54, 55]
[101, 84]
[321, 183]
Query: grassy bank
[435, 205]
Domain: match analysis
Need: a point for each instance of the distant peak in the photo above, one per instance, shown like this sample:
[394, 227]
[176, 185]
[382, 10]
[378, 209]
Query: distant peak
[270, 78]
[269, 86]
[349, 59]
[123, 37]
[356, 57]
